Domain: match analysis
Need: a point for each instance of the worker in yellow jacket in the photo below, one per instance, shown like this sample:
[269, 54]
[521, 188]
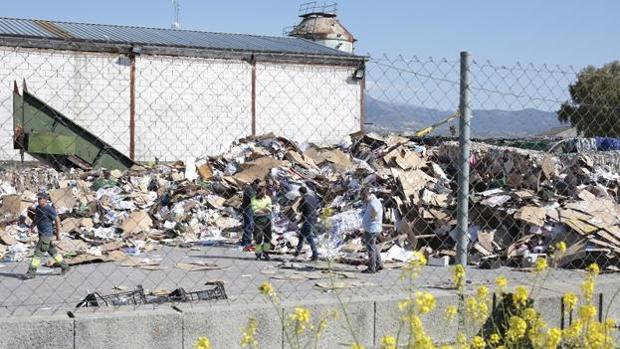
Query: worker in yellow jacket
[261, 209]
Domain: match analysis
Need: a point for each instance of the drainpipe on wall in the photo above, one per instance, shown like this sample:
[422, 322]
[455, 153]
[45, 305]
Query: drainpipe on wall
[132, 106]
[253, 63]
[362, 103]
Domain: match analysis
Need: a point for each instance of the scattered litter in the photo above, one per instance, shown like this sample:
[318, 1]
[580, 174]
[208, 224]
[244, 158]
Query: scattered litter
[522, 202]
[198, 266]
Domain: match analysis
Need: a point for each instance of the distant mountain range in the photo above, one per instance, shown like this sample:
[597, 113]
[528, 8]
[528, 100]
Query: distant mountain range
[390, 117]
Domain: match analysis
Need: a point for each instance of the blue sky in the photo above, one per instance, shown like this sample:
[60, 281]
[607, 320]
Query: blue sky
[564, 32]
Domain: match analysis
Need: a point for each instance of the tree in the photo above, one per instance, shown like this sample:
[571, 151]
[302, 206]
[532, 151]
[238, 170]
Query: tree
[594, 108]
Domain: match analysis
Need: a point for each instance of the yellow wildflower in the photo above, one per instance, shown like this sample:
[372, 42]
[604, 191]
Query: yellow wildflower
[593, 269]
[482, 293]
[475, 310]
[597, 336]
[357, 346]
[517, 328]
[458, 276]
[451, 312]
[419, 259]
[610, 324]
[561, 246]
[587, 312]
[536, 338]
[573, 332]
[540, 265]
[425, 302]
[554, 337]
[301, 318]
[501, 283]
[415, 265]
[538, 323]
[447, 347]
[570, 301]
[494, 339]
[416, 324]
[266, 289]
[478, 342]
[423, 341]
[483, 311]
[520, 296]
[461, 340]
[529, 315]
[249, 335]
[404, 305]
[203, 343]
[388, 342]
[471, 307]
[587, 289]
[322, 326]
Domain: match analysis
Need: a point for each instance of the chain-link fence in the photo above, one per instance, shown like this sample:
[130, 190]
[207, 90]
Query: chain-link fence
[176, 212]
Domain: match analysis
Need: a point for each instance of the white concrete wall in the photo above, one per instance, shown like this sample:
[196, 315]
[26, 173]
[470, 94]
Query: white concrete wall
[184, 106]
[90, 88]
[190, 106]
[307, 103]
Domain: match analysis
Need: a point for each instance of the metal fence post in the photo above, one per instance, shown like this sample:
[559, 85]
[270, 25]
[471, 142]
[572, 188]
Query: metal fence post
[464, 144]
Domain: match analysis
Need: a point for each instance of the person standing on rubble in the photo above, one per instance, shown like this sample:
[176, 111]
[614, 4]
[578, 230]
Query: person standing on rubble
[261, 209]
[308, 207]
[249, 192]
[372, 223]
[45, 218]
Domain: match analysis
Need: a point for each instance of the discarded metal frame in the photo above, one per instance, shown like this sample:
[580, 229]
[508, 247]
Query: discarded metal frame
[138, 297]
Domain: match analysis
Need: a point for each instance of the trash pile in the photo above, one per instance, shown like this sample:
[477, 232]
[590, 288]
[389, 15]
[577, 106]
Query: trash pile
[522, 202]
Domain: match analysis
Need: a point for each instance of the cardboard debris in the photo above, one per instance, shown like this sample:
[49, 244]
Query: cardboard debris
[73, 246]
[216, 202]
[137, 222]
[521, 202]
[256, 169]
[70, 224]
[531, 215]
[205, 171]
[301, 159]
[12, 207]
[141, 263]
[63, 199]
[197, 266]
[335, 157]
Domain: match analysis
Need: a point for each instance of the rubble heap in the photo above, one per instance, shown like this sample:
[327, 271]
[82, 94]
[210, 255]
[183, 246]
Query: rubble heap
[522, 202]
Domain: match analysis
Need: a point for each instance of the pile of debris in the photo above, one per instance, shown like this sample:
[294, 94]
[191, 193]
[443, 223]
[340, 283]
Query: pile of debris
[522, 202]
[525, 201]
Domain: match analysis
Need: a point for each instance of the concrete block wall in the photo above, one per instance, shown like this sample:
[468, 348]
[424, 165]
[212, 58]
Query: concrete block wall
[178, 328]
[307, 103]
[90, 88]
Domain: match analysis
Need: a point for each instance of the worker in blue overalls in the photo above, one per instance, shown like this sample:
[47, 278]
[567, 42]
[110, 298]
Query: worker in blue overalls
[45, 219]
[308, 207]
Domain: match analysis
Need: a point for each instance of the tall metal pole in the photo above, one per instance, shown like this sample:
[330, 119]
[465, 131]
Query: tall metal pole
[464, 145]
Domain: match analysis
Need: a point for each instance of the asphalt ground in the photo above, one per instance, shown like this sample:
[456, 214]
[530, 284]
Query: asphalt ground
[294, 279]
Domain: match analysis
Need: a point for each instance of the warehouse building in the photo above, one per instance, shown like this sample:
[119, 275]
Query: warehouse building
[169, 94]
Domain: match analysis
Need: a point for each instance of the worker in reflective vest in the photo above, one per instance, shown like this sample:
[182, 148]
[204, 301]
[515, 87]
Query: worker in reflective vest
[261, 209]
[45, 218]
